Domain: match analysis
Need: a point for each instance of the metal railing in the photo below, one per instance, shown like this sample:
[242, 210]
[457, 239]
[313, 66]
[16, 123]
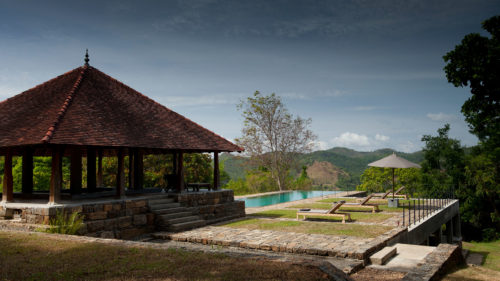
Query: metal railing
[418, 209]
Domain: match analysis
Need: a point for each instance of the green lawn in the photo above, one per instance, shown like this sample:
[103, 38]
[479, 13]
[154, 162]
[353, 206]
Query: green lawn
[292, 214]
[348, 229]
[382, 204]
[491, 251]
[28, 256]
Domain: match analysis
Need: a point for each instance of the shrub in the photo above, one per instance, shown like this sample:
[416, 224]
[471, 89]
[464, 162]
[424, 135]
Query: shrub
[65, 223]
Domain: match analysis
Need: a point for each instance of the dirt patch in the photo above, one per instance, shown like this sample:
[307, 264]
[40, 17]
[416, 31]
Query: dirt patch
[371, 274]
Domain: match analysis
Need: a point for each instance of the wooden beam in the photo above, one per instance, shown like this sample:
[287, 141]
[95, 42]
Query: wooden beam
[8, 183]
[131, 169]
[56, 176]
[138, 169]
[91, 170]
[75, 180]
[27, 176]
[100, 182]
[120, 175]
[180, 172]
[216, 171]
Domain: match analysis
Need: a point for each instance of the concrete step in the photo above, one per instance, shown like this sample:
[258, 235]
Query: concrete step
[182, 220]
[161, 201]
[174, 215]
[164, 206]
[382, 256]
[170, 210]
[186, 225]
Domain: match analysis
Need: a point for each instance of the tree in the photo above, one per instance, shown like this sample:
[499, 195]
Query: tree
[272, 136]
[444, 157]
[476, 63]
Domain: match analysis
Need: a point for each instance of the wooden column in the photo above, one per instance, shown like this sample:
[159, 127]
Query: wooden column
[138, 169]
[56, 176]
[120, 175]
[27, 176]
[216, 171]
[8, 183]
[174, 163]
[100, 182]
[91, 170]
[131, 169]
[180, 172]
[75, 180]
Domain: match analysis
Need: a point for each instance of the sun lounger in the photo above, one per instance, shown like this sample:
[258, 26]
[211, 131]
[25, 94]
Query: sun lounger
[363, 204]
[388, 194]
[329, 213]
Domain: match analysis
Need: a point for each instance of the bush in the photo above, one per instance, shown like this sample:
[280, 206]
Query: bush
[64, 223]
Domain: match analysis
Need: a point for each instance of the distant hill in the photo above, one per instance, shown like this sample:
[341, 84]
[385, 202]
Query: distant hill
[325, 173]
[350, 161]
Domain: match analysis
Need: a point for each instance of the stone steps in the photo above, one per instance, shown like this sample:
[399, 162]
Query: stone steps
[155, 207]
[187, 225]
[170, 211]
[382, 256]
[170, 216]
[164, 200]
[174, 215]
[183, 220]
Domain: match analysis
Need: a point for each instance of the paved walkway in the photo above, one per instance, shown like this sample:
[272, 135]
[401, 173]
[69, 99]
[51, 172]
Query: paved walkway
[290, 242]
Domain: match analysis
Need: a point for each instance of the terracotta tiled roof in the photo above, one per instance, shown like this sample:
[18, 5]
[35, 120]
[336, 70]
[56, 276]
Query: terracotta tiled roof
[87, 107]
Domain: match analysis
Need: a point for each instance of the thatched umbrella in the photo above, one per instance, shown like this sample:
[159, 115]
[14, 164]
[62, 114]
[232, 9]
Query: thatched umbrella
[393, 161]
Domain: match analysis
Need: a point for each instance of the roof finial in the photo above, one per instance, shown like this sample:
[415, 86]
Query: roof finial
[86, 57]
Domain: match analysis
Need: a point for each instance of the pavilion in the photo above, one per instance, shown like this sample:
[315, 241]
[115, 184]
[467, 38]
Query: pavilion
[86, 113]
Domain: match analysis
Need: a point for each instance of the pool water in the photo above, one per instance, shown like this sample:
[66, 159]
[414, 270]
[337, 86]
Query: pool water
[272, 199]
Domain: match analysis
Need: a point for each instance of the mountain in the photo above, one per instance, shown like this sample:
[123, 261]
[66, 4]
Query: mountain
[347, 164]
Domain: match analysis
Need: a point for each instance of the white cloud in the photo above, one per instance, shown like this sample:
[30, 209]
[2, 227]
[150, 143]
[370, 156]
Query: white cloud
[349, 139]
[380, 137]
[319, 145]
[407, 147]
[441, 117]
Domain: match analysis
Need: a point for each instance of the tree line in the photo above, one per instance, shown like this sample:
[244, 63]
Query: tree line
[473, 172]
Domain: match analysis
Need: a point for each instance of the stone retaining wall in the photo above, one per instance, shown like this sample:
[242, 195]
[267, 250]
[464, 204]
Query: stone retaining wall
[109, 219]
[213, 206]
[436, 264]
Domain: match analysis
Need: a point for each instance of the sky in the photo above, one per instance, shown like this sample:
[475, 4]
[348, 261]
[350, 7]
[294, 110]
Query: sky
[368, 73]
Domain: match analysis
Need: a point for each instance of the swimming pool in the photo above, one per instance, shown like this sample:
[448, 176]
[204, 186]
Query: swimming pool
[265, 200]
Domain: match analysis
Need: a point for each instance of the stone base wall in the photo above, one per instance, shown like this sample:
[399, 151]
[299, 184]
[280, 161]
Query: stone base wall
[129, 217]
[110, 219]
[213, 206]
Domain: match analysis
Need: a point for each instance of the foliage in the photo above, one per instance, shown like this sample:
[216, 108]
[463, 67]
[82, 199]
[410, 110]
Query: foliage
[476, 63]
[303, 182]
[272, 136]
[65, 223]
[376, 179]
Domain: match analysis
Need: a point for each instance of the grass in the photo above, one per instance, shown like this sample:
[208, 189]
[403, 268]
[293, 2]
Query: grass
[469, 273]
[326, 206]
[292, 214]
[490, 250]
[490, 269]
[28, 256]
[312, 227]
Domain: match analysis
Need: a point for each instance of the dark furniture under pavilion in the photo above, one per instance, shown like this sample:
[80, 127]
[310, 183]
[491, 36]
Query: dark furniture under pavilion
[86, 113]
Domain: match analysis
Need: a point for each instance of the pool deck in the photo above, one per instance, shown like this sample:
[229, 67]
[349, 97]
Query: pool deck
[252, 210]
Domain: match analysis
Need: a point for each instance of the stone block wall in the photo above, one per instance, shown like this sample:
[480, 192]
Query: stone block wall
[109, 219]
[213, 206]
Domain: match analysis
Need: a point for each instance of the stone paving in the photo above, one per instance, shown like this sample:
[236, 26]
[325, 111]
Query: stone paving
[289, 242]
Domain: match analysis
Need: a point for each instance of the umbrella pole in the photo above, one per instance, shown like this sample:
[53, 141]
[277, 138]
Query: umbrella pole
[393, 184]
